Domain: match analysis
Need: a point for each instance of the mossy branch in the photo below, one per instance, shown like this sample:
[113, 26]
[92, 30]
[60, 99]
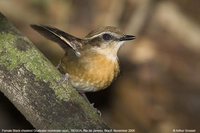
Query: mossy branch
[30, 82]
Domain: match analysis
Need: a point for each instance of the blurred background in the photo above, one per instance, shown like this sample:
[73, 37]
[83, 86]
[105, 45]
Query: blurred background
[158, 89]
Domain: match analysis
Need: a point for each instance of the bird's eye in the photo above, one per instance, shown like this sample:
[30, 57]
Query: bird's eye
[107, 37]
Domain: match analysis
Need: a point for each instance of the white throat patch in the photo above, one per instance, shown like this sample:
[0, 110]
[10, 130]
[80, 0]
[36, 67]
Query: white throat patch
[111, 52]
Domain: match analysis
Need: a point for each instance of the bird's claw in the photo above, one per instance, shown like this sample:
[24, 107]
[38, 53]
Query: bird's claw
[65, 78]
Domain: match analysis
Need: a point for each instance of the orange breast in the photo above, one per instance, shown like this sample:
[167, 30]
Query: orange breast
[90, 72]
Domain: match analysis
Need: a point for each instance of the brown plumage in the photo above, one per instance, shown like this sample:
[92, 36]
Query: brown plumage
[91, 62]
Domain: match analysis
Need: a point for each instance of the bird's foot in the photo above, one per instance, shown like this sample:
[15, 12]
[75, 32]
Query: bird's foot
[84, 96]
[65, 78]
[98, 111]
[92, 104]
[58, 66]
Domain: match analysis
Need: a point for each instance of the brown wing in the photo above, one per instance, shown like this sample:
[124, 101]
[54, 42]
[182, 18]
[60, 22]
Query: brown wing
[64, 39]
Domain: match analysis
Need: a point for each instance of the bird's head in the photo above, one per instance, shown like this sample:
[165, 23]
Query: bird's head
[107, 40]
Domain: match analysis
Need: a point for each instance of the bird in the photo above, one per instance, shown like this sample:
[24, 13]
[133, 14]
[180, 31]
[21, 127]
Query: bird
[91, 63]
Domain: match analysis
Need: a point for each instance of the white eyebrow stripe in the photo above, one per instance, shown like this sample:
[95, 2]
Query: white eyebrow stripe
[99, 35]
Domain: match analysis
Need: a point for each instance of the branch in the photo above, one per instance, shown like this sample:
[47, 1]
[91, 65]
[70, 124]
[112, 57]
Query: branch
[30, 82]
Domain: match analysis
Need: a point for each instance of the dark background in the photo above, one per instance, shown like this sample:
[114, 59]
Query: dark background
[158, 89]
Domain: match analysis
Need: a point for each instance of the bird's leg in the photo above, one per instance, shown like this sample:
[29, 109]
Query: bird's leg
[92, 104]
[58, 66]
[64, 78]
[60, 62]
[83, 95]
[66, 75]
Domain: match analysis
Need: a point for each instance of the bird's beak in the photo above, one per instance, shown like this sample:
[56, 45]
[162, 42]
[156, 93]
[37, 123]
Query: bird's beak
[127, 38]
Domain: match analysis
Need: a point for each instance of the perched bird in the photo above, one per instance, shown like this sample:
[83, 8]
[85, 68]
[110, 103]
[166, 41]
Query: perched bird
[91, 63]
